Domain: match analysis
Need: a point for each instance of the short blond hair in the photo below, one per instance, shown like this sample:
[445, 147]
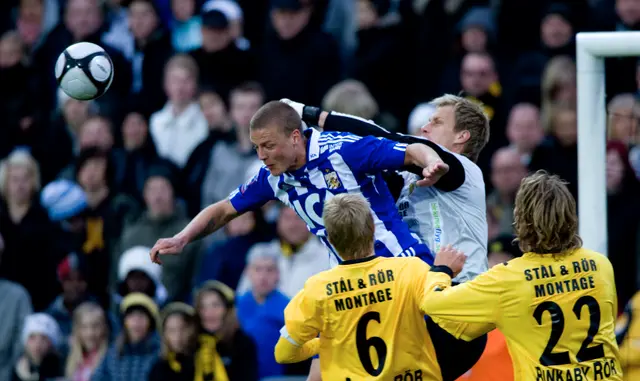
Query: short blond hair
[19, 158]
[349, 225]
[184, 62]
[545, 217]
[351, 97]
[469, 116]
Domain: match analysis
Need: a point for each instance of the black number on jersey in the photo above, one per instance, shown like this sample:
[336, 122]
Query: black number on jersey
[586, 353]
[363, 344]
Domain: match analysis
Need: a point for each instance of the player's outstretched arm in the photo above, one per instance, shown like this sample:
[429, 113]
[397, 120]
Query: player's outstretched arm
[206, 222]
[427, 158]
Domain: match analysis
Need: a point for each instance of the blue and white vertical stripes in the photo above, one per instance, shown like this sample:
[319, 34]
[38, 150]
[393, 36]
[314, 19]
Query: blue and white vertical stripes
[339, 163]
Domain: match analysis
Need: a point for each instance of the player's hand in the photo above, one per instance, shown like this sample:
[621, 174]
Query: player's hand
[450, 257]
[433, 173]
[299, 107]
[167, 246]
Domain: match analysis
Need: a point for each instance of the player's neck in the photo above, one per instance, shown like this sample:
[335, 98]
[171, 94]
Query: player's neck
[301, 157]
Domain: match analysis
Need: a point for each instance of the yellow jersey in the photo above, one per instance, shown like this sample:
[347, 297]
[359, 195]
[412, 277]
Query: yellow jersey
[367, 314]
[628, 333]
[557, 313]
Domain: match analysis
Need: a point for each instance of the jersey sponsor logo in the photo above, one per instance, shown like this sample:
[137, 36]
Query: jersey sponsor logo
[307, 209]
[243, 187]
[332, 179]
[331, 147]
[436, 217]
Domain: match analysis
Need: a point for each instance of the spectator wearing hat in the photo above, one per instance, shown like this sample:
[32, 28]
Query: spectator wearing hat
[261, 310]
[495, 362]
[235, 15]
[40, 361]
[152, 50]
[178, 329]
[17, 306]
[163, 215]
[136, 274]
[225, 352]
[137, 347]
[21, 219]
[223, 65]
[297, 61]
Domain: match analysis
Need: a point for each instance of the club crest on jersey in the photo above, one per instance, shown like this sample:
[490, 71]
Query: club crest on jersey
[332, 179]
[412, 187]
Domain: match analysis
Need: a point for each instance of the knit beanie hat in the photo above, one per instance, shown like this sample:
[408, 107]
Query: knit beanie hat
[43, 324]
[63, 199]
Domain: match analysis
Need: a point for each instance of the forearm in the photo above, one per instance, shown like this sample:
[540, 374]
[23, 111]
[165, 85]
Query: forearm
[420, 155]
[287, 352]
[209, 220]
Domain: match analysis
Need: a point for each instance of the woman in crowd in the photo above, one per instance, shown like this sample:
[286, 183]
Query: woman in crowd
[40, 361]
[178, 329]
[89, 341]
[221, 338]
[130, 358]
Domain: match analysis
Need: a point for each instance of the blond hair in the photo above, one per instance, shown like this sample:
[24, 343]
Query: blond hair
[184, 62]
[560, 70]
[19, 158]
[76, 352]
[349, 224]
[351, 97]
[545, 217]
[469, 116]
[549, 118]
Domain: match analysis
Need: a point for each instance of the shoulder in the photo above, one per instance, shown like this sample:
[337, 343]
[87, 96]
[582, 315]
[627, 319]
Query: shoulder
[20, 294]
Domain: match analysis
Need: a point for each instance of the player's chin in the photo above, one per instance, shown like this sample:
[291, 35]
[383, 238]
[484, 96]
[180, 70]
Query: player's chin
[274, 170]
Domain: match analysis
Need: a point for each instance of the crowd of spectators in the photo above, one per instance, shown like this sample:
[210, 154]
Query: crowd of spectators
[87, 187]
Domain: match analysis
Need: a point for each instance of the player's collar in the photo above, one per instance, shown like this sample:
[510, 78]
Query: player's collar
[359, 260]
[313, 146]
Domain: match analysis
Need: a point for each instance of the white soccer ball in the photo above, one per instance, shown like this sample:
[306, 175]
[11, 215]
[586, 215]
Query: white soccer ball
[84, 71]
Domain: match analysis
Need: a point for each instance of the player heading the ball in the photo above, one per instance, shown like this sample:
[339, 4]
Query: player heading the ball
[368, 311]
[556, 305]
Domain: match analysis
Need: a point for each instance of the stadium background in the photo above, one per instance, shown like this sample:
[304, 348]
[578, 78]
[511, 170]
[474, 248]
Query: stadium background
[85, 187]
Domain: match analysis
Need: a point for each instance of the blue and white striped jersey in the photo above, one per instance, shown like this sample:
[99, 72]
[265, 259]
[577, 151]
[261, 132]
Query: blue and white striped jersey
[339, 163]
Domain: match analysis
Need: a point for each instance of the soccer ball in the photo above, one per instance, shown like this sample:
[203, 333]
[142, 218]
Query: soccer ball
[84, 71]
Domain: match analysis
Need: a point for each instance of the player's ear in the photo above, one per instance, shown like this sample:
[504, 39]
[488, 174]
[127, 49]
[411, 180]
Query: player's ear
[462, 137]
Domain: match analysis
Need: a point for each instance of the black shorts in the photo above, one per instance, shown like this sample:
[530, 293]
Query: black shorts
[455, 356]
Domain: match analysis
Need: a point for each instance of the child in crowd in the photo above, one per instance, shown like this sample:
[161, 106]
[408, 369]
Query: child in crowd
[40, 361]
[88, 342]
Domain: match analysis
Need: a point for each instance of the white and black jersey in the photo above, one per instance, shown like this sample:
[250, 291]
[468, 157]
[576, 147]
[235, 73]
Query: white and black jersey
[452, 212]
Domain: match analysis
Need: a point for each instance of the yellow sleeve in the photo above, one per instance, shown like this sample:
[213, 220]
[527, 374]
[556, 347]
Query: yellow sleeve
[287, 352]
[421, 275]
[302, 322]
[475, 301]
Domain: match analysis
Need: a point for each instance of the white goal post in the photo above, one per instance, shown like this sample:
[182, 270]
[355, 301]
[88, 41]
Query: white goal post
[591, 49]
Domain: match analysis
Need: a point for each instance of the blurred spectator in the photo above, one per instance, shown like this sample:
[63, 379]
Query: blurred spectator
[223, 65]
[301, 254]
[220, 128]
[225, 261]
[83, 20]
[17, 306]
[180, 126]
[226, 163]
[152, 50]
[21, 219]
[136, 274]
[88, 343]
[524, 130]
[185, 29]
[235, 15]
[164, 217]
[261, 310]
[66, 202]
[379, 57]
[138, 156]
[223, 345]
[117, 33]
[507, 171]
[623, 211]
[296, 60]
[136, 348]
[623, 112]
[72, 274]
[352, 97]
[178, 328]
[558, 152]
[558, 84]
[36, 18]
[40, 360]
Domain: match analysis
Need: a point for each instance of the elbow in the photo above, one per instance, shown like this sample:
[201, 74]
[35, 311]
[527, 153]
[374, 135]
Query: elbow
[281, 353]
